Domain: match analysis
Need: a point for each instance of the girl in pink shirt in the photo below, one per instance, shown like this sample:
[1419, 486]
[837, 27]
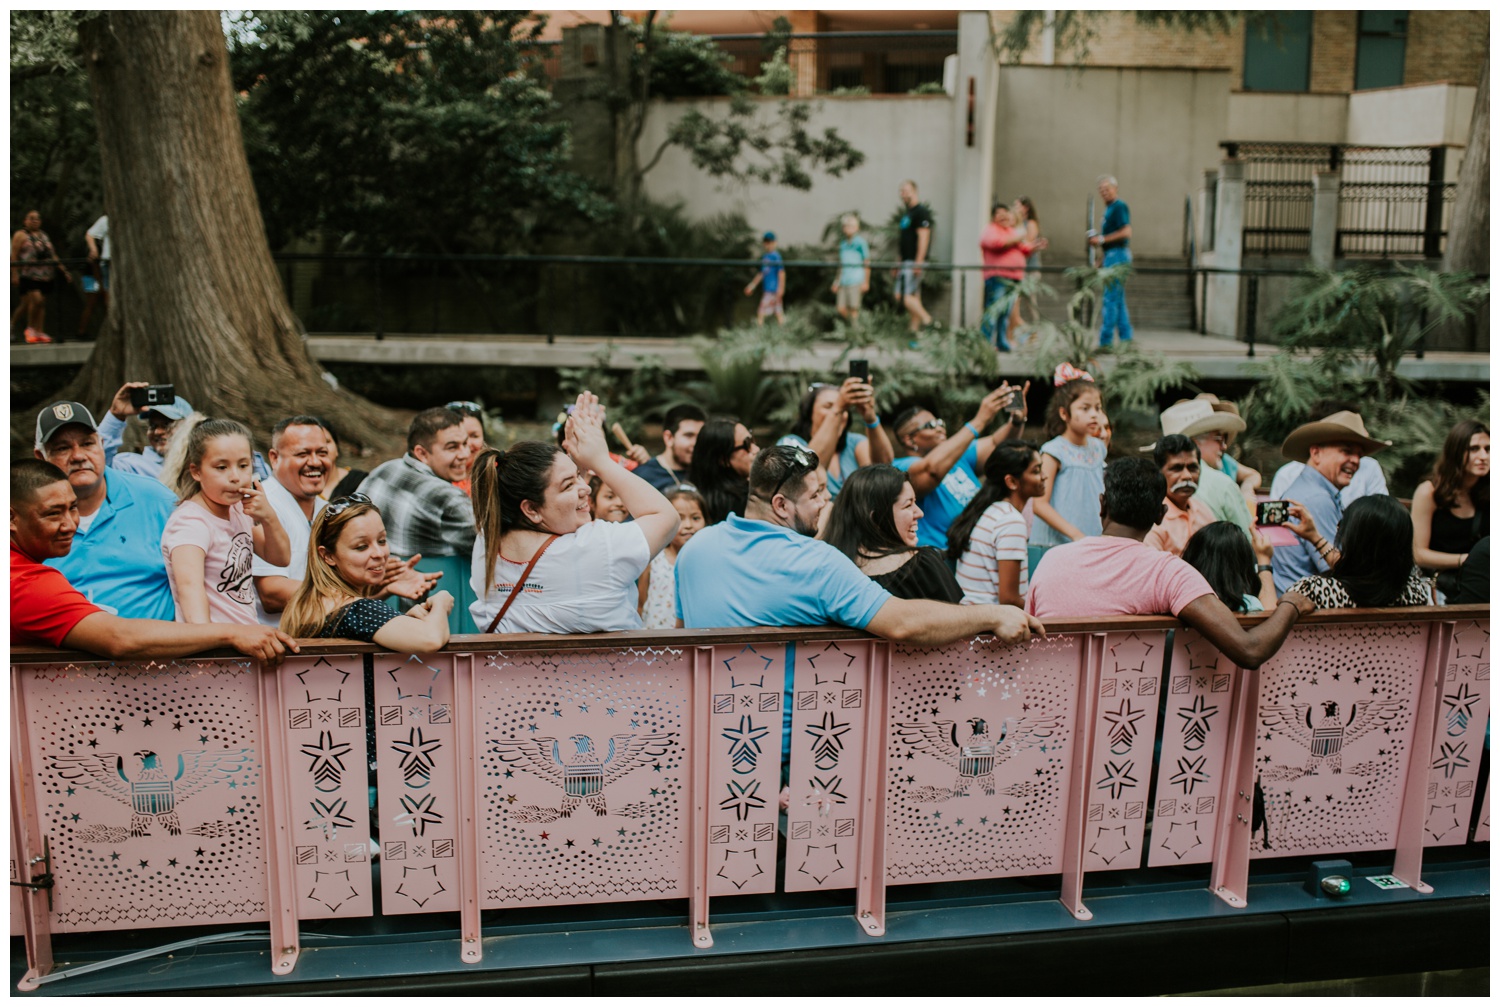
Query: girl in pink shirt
[221, 518]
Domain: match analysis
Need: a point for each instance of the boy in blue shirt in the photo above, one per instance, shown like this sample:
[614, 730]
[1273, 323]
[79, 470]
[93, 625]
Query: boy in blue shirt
[854, 269]
[772, 280]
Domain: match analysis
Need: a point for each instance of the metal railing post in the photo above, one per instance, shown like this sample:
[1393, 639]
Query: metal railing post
[379, 302]
[1252, 297]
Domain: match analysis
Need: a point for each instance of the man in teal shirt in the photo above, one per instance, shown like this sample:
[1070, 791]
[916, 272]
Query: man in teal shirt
[116, 559]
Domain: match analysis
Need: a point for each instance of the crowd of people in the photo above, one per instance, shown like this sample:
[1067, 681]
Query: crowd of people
[197, 542]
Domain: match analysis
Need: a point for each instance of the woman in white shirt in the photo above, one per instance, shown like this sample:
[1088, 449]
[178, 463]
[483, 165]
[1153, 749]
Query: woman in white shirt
[540, 564]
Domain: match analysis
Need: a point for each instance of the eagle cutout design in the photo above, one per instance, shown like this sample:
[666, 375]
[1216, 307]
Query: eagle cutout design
[1325, 739]
[977, 758]
[581, 774]
[153, 793]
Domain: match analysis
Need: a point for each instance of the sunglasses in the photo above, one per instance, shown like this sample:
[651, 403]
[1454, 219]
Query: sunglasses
[744, 445]
[342, 504]
[933, 424]
[806, 462]
[465, 407]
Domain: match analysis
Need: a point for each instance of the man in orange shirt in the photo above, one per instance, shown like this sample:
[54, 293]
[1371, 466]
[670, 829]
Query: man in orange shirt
[1177, 457]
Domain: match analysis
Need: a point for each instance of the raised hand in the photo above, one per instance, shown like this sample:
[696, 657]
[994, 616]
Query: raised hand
[121, 406]
[1304, 526]
[583, 438]
[253, 500]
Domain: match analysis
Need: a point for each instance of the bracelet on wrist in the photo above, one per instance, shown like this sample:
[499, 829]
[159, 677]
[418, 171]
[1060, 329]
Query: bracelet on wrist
[1262, 568]
[971, 428]
[872, 424]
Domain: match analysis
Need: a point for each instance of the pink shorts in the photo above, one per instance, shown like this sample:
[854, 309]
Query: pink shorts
[770, 304]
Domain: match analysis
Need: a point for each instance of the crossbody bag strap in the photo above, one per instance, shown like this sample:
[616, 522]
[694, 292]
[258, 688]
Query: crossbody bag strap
[515, 591]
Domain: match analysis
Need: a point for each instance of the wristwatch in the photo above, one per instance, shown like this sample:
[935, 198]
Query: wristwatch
[1262, 568]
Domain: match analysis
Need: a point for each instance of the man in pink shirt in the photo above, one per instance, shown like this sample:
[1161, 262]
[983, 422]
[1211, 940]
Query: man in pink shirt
[1177, 457]
[1116, 573]
[1004, 250]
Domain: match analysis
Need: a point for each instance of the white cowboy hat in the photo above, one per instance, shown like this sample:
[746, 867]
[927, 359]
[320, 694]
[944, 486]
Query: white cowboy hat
[1192, 417]
[1340, 428]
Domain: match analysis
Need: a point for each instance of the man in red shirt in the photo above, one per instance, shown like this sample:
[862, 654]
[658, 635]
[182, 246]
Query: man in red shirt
[45, 610]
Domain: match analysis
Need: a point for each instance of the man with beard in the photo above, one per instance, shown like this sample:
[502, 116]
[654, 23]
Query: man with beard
[1332, 449]
[766, 569]
[160, 422]
[1177, 457]
[679, 433]
[115, 555]
[300, 466]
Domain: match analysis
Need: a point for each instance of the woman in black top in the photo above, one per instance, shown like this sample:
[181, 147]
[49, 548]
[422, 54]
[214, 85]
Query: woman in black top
[721, 467]
[1374, 567]
[1450, 512]
[346, 564]
[874, 523]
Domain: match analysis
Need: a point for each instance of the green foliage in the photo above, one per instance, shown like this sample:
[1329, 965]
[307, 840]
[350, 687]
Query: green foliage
[775, 77]
[629, 396]
[929, 87]
[1076, 30]
[1343, 337]
[744, 146]
[400, 131]
[682, 64]
[54, 145]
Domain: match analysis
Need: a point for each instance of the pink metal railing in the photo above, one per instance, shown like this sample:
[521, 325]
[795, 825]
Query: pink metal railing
[529, 771]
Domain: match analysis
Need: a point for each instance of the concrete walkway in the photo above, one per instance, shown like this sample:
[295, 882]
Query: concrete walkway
[1213, 357]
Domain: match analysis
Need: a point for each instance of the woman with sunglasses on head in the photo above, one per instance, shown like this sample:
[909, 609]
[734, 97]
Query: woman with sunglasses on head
[721, 467]
[823, 418]
[346, 568]
[541, 564]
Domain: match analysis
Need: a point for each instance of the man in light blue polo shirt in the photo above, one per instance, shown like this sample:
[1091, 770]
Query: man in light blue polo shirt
[1332, 449]
[766, 569]
[944, 470]
[116, 559]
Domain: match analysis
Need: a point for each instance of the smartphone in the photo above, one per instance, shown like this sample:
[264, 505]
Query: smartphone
[1272, 512]
[860, 369]
[153, 395]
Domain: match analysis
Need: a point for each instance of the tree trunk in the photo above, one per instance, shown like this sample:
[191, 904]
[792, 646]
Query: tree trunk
[195, 299]
[1468, 248]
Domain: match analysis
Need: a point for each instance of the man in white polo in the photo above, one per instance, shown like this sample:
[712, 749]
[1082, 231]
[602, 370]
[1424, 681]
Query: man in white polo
[299, 470]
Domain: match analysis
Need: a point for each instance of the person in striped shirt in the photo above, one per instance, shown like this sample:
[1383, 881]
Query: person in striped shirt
[988, 540]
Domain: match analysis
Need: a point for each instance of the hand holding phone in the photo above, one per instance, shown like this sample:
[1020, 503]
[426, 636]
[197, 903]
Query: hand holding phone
[860, 369]
[153, 395]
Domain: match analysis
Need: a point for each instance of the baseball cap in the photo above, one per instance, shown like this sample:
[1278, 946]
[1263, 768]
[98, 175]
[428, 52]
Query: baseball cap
[60, 414]
[768, 236]
[177, 409]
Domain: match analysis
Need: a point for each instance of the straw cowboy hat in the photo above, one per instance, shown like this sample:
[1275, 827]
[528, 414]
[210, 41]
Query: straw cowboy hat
[1340, 428]
[1194, 417]
[1221, 407]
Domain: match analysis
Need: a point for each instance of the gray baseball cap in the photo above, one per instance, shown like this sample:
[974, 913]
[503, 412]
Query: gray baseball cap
[60, 414]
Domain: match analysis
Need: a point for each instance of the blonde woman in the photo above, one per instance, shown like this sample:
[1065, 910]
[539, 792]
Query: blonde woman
[346, 564]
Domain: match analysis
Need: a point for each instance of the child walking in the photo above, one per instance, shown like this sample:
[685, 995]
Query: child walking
[658, 585]
[854, 269]
[222, 516]
[772, 281]
[1072, 465]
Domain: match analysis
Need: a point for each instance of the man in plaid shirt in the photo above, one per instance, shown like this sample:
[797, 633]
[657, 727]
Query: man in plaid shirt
[424, 512]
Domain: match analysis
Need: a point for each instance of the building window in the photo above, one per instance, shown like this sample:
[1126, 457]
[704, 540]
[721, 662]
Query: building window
[1382, 49]
[1277, 51]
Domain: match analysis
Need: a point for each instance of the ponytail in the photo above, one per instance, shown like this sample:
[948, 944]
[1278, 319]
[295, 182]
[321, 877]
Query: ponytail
[1011, 458]
[501, 481]
[187, 447]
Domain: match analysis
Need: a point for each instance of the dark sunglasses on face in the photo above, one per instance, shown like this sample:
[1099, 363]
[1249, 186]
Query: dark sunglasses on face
[745, 445]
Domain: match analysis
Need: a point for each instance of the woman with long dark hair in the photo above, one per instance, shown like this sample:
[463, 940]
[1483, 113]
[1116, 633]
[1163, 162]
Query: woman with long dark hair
[822, 427]
[988, 539]
[874, 523]
[1374, 567]
[721, 466]
[541, 564]
[1450, 512]
[1239, 574]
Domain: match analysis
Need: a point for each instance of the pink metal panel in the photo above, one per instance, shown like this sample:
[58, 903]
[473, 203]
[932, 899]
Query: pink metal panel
[744, 759]
[979, 762]
[416, 764]
[1459, 742]
[17, 925]
[1336, 716]
[830, 725]
[323, 722]
[1129, 695]
[149, 784]
[584, 775]
[1482, 830]
[1193, 749]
